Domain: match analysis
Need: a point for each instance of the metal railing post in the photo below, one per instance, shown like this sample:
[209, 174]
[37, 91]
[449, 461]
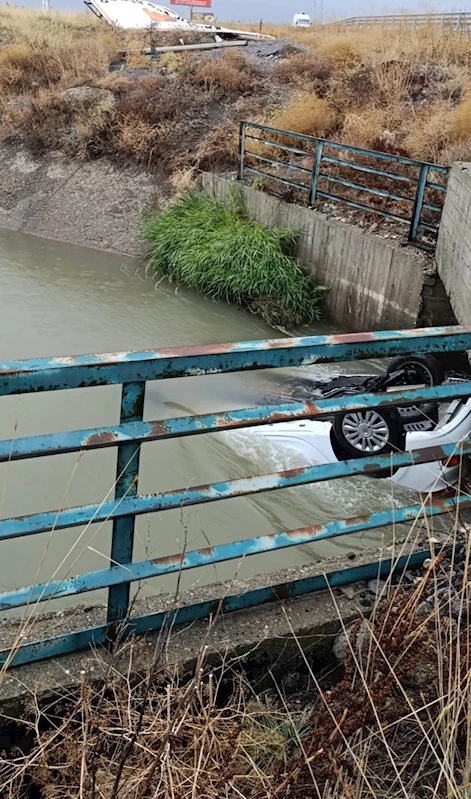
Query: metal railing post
[315, 172]
[418, 203]
[122, 542]
[241, 150]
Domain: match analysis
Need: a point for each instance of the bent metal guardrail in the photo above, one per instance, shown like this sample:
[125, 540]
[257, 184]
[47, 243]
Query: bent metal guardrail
[314, 181]
[132, 371]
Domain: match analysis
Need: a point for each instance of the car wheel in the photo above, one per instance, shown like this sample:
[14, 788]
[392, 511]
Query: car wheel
[370, 431]
[422, 369]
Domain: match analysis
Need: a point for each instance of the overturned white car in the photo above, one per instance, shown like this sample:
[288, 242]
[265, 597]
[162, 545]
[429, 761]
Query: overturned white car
[378, 431]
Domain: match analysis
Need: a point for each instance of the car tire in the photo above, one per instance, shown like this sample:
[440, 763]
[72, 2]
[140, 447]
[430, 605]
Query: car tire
[426, 368]
[369, 432]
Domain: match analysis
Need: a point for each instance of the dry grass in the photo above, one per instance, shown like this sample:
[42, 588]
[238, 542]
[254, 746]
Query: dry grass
[305, 69]
[218, 150]
[26, 68]
[397, 89]
[305, 113]
[160, 735]
[363, 129]
[149, 123]
[396, 723]
[430, 130]
[461, 118]
[341, 53]
[44, 50]
[231, 73]
[180, 120]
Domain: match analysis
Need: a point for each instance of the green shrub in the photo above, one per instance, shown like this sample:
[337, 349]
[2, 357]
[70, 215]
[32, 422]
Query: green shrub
[214, 247]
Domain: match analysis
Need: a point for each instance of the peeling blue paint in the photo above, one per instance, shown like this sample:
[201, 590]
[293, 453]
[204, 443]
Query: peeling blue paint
[48, 374]
[132, 370]
[95, 636]
[100, 437]
[214, 492]
[117, 575]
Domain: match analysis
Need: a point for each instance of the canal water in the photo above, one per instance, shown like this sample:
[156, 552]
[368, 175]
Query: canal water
[58, 299]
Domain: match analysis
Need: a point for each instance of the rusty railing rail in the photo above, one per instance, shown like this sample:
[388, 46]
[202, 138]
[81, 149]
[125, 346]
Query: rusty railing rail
[132, 371]
[320, 169]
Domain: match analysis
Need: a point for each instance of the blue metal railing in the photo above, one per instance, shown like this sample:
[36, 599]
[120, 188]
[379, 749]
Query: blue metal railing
[133, 370]
[314, 181]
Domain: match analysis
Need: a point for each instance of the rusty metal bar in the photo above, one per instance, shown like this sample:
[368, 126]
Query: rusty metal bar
[94, 636]
[270, 161]
[369, 169]
[127, 472]
[213, 492]
[369, 189]
[170, 564]
[241, 150]
[180, 426]
[47, 374]
[269, 176]
[418, 202]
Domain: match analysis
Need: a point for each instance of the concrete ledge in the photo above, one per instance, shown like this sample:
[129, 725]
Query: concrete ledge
[261, 637]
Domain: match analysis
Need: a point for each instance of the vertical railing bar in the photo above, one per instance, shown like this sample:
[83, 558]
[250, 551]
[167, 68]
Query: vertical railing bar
[315, 173]
[419, 200]
[127, 472]
[242, 150]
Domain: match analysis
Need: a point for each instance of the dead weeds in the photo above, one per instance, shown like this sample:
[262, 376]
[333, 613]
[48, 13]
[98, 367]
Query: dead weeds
[233, 72]
[306, 69]
[400, 90]
[396, 723]
[182, 115]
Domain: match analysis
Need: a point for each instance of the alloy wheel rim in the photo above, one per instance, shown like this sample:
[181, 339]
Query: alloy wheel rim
[367, 432]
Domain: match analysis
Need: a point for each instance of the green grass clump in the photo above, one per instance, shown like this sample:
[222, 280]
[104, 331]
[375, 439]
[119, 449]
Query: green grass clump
[214, 247]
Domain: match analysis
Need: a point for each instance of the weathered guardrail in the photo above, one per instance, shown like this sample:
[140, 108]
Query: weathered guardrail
[132, 371]
[312, 166]
[460, 21]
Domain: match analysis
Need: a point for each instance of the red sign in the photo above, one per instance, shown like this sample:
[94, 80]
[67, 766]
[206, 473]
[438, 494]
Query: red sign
[194, 3]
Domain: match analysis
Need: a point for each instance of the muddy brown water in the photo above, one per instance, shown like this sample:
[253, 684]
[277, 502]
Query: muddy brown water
[57, 299]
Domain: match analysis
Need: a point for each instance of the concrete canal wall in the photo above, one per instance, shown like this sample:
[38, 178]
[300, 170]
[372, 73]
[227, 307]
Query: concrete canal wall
[453, 254]
[374, 283]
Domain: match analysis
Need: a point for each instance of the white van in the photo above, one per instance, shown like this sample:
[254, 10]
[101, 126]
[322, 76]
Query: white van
[301, 20]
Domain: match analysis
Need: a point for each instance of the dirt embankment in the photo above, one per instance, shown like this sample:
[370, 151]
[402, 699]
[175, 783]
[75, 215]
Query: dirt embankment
[400, 91]
[94, 204]
[92, 104]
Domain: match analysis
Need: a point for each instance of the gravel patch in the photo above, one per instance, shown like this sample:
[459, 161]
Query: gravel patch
[447, 591]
